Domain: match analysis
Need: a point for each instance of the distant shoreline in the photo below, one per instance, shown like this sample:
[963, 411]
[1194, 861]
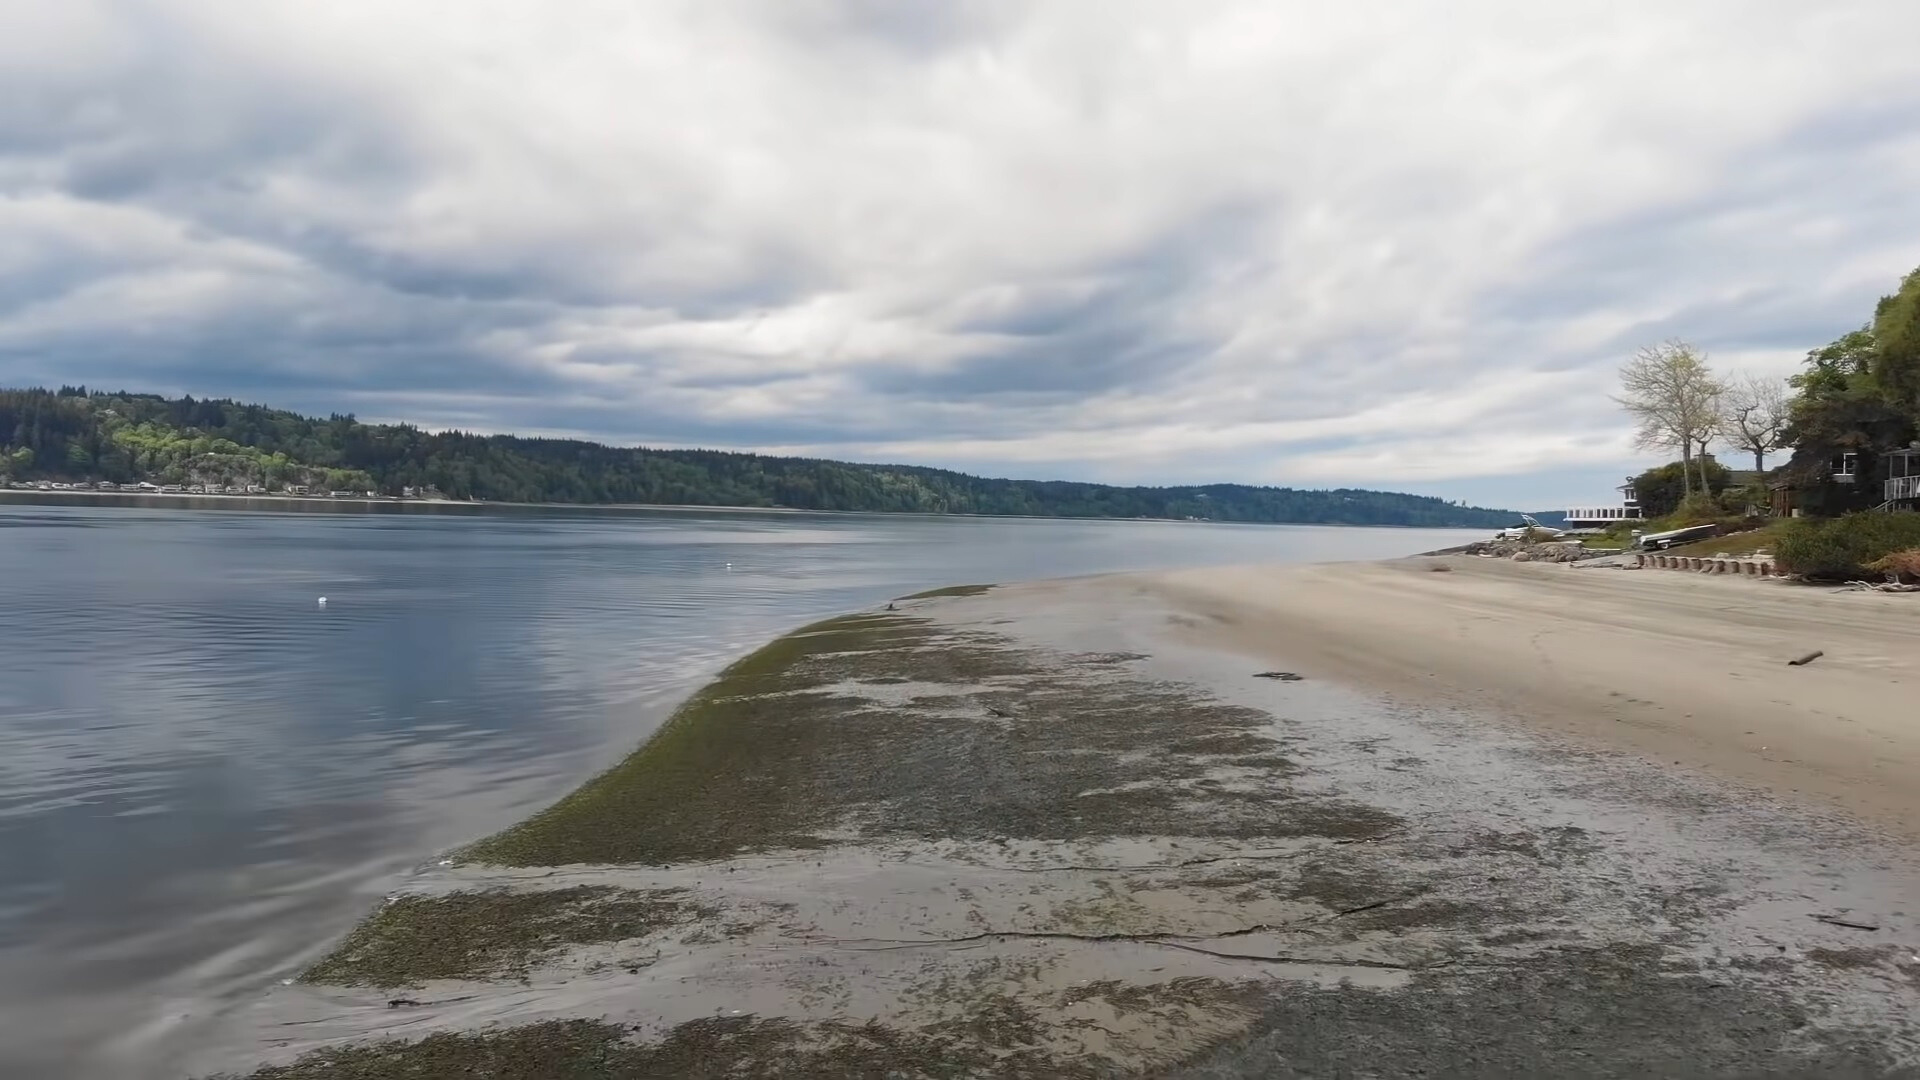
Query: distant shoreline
[303, 502]
[277, 500]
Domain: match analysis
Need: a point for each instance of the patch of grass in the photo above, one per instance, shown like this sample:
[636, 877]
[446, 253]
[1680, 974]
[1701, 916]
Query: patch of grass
[1844, 547]
[492, 935]
[1765, 538]
[776, 753]
[1899, 566]
[950, 590]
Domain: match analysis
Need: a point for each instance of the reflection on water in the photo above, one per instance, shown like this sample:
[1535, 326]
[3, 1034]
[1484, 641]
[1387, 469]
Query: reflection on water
[204, 773]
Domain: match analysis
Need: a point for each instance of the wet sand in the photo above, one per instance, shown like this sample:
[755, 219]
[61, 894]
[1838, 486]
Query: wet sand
[1683, 668]
[1060, 830]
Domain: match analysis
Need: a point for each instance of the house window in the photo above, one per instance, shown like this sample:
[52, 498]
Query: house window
[1845, 465]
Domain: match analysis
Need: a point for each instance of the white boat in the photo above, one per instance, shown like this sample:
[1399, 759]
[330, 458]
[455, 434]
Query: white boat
[1662, 540]
[1520, 532]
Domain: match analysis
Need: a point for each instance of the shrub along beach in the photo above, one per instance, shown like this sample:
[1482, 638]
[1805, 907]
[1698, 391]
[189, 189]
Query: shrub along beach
[1509, 819]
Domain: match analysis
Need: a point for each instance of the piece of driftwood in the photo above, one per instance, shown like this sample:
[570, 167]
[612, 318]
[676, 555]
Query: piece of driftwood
[1807, 659]
[1283, 676]
[1849, 923]
[1882, 586]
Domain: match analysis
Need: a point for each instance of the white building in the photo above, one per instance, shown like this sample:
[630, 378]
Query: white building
[1628, 509]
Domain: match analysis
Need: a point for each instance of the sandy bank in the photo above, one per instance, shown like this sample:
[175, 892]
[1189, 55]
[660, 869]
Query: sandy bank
[1059, 830]
[1682, 668]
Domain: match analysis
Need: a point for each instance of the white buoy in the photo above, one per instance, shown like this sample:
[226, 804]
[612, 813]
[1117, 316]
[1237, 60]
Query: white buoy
[323, 601]
[729, 567]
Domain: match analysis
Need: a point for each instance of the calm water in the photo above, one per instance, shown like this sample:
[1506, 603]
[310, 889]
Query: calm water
[204, 774]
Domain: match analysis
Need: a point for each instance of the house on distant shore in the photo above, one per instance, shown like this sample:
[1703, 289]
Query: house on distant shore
[1591, 517]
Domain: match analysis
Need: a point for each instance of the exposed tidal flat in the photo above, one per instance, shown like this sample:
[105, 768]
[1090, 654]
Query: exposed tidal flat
[1057, 829]
[207, 778]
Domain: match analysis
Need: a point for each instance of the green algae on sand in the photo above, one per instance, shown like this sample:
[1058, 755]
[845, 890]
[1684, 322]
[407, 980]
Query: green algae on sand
[889, 726]
[739, 1048]
[950, 590]
[493, 934]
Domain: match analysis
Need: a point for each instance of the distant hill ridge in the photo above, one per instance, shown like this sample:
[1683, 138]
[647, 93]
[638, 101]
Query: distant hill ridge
[76, 434]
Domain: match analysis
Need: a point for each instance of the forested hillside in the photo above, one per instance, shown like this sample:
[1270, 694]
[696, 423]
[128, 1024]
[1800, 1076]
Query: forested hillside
[73, 434]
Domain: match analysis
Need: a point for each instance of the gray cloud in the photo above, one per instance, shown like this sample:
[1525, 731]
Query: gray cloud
[1122, 240]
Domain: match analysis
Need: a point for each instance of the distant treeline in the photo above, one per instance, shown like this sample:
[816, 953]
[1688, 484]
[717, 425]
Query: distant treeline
[76, 434]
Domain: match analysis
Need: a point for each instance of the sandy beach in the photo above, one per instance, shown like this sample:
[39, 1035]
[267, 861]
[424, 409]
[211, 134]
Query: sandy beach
[1688, 669]
[1508, 820]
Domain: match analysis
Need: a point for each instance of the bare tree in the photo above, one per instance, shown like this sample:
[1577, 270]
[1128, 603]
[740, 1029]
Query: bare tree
[1753, 416]
[1672, 393]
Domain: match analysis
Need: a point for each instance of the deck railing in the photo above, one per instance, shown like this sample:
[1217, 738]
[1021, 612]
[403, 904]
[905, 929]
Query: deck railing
[1902, 487]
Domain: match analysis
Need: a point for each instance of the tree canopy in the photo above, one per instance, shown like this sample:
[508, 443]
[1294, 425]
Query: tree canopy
[1753, 417]
[1896, 345]
[1860, 393]
[1675, 399]
[76, 434]
[1663, 488]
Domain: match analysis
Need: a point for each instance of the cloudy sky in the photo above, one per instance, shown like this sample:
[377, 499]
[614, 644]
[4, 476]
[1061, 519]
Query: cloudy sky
[1397, 244]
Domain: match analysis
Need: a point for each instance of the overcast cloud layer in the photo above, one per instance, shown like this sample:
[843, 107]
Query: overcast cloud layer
[1393, 244]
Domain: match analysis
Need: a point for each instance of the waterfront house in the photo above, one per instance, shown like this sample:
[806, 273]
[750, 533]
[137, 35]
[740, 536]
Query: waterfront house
[1900, 478]
[1848, 480]
[1627, 509]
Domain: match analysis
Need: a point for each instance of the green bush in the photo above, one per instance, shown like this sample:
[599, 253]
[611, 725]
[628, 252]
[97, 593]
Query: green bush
[1698, 508]
[1843, 547]
[1739, 500]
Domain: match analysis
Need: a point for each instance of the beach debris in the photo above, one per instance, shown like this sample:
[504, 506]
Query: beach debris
[323, 601]
[1001, 713]
[1807, 659]
[1283, 676]
[1849, 923]
[1440, 568]
[402, 1003]
[1887, 586]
